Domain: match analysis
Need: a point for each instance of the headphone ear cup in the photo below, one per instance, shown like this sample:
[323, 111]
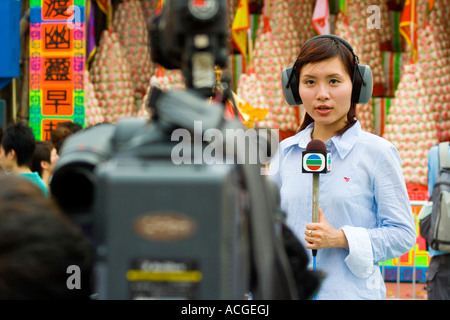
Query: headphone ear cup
[362, 84]
[289, 84]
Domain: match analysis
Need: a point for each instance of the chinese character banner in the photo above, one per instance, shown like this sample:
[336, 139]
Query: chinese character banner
[57, 63]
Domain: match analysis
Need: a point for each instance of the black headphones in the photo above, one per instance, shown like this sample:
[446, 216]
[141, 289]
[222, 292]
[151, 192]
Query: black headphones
[362, 79]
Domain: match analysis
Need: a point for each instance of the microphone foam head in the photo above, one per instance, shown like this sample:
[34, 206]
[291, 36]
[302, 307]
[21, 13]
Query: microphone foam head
[316, 158]
[316, 145]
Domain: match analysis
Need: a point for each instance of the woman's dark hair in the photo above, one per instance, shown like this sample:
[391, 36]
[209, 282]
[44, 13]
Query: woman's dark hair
[320, 49]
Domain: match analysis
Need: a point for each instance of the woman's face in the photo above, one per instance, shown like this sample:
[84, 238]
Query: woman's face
[326, 90]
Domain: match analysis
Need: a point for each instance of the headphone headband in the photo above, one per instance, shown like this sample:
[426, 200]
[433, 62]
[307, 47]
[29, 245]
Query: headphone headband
[332, 36]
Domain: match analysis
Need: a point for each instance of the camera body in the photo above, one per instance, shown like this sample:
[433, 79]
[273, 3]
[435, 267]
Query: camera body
[176, 232]
[191, 230]
[160, 230]
[191, 36]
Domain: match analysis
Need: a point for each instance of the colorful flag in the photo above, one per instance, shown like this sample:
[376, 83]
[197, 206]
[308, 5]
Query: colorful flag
[392, 66]
[103, 5]
[159, 6]
[381, 109]
[91, 44]
[239, 30]
[321, 17]
[343, 7]
[408, 25]
[230, 111]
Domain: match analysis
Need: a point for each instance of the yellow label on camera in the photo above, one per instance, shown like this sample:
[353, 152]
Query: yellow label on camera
[145, 275]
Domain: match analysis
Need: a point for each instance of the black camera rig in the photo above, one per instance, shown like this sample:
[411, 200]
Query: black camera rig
[191, 230]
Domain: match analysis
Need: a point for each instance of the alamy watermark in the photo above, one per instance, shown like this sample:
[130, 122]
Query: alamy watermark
[231, 146]
[374, 21]
[74, 280]
[74, 21]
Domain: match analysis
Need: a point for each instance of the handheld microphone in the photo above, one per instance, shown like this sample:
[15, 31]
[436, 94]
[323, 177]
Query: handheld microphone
[316, 159]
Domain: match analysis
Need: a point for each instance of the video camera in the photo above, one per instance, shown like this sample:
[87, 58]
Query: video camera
[190, 35]
[190, 228]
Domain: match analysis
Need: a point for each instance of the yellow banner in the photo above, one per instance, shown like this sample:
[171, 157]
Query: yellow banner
[239, 29]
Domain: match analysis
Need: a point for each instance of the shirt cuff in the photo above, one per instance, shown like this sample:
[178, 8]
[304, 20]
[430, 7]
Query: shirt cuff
[360, 257]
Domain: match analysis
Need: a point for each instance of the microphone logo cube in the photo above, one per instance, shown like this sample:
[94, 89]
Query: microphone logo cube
[316, 161]
[328, 161]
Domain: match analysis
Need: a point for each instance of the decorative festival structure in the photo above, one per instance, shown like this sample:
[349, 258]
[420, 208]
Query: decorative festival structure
[278, 38]
[111, 76]
[419, 115]
[57, 64]
[148, 9]
[366, 38]
[93, 112]
[131, 26]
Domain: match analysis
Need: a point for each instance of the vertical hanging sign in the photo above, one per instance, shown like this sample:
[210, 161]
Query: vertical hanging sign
[57, 63]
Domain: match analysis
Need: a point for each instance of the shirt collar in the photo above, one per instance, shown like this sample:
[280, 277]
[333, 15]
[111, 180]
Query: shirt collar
[343, 144]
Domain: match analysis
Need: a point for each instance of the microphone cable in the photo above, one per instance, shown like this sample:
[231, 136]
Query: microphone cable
[314, 267]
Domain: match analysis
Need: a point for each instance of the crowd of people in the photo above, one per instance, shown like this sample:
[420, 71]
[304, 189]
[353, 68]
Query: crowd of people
[38, 242]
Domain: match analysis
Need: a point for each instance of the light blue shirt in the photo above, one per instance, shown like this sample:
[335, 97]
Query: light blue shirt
[36, 178]
[364, 194]
[433, 170]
